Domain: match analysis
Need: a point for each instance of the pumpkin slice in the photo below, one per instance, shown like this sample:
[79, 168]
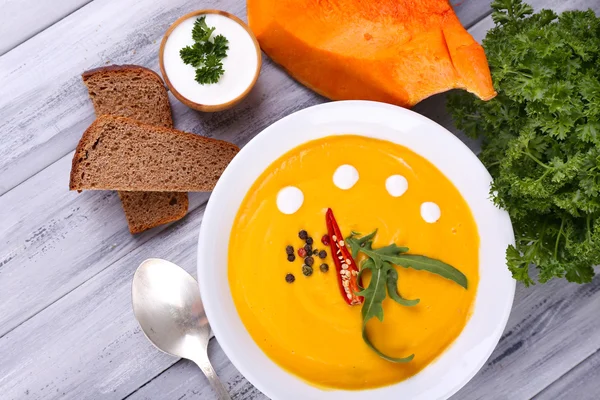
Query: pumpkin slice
[396, 51]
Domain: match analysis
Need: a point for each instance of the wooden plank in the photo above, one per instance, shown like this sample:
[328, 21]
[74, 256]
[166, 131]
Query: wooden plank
[23, 19]
[471, 11]
[582, 382]
[41, 239]
[88, 345]
[184, 380]
[552, 328]
[47, 109]
[56, 239]
[549, 323]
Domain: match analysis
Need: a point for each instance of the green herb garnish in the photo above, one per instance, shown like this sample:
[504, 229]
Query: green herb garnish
[384, 279]
[542, 136]
[205, 55]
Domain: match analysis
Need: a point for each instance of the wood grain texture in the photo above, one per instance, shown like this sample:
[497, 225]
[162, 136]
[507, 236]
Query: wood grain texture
[66, 259]
[582, 382]
[549, 332]
[22, 19]
[88, 345]
[48, 108]
[60, 239]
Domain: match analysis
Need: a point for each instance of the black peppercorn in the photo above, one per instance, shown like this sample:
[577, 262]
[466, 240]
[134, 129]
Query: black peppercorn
[309, 240]
[309, 261]
[289, 278]
[289, 250]
[291, 257]
[302, 234]
[308, 248]
[324, 267]
[315, 252]
[322, 254]
[307, 270]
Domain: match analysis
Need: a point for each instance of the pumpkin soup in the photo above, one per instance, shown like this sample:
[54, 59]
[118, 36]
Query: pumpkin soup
[296, 282]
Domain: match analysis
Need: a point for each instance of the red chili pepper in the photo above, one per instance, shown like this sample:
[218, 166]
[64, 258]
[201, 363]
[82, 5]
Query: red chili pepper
[342, 258]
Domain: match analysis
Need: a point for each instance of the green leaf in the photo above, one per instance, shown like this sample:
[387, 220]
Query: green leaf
[379, 353]
[505, 11]
[221, 45]
[201, 32]
[392, 289]
[205, 55]
[541, 137]
[384, 279]
[394, 255]
[374, 294]
[356, 243]
[192, 56]
[431, 265]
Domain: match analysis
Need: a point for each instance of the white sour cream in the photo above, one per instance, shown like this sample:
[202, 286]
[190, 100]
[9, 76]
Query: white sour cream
[345, 176]
[430, 212]
[396, 185]
[239, 65]
[289, 199]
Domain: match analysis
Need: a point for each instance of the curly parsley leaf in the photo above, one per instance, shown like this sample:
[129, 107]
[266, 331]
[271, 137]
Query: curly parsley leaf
[205, 55]
[541, 137]
[201, 32]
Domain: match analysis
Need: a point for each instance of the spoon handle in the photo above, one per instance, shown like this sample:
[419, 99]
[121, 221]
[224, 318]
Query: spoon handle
[212, 377]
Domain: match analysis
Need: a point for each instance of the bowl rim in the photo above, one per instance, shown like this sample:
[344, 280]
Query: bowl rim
[212, 223]
[185, 100]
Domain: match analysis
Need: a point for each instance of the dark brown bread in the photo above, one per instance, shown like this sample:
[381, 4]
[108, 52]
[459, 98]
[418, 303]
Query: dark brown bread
[137, 92]
[117, 153]
[129, 91]
[145, 210]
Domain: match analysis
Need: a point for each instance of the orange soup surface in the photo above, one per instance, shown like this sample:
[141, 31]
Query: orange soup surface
[306, 327]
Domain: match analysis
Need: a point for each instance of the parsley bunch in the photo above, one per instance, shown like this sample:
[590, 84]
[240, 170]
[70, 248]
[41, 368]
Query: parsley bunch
[541, 136]
[205, 55]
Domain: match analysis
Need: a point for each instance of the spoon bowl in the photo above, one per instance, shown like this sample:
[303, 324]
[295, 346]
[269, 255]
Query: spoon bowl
[167, 304]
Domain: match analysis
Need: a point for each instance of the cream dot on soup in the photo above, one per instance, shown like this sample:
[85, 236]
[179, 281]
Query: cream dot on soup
[396, 185]
[289, 199]
[345, 176]
[430, 212]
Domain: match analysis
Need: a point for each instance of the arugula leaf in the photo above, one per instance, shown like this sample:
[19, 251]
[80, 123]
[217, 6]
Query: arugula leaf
[365, 337]
[392, 290]
[384, 279]
[541, 137]
[205, 55]
[395, 255]
[374, 295]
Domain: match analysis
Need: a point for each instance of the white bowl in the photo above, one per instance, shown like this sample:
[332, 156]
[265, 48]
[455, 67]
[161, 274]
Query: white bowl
[461, 361]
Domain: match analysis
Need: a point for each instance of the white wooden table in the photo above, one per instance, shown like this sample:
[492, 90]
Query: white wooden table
[67, 259]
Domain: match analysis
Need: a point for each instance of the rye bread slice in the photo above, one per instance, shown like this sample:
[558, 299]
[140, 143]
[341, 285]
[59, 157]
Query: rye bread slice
[137, 92]
[117, 153]
[129, 91]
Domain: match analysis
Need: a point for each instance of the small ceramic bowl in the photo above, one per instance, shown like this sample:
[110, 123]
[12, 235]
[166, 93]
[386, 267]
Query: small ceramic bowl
[467, 354]
[245, 48]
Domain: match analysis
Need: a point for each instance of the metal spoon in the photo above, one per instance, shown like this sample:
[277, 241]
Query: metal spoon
[166, 303]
